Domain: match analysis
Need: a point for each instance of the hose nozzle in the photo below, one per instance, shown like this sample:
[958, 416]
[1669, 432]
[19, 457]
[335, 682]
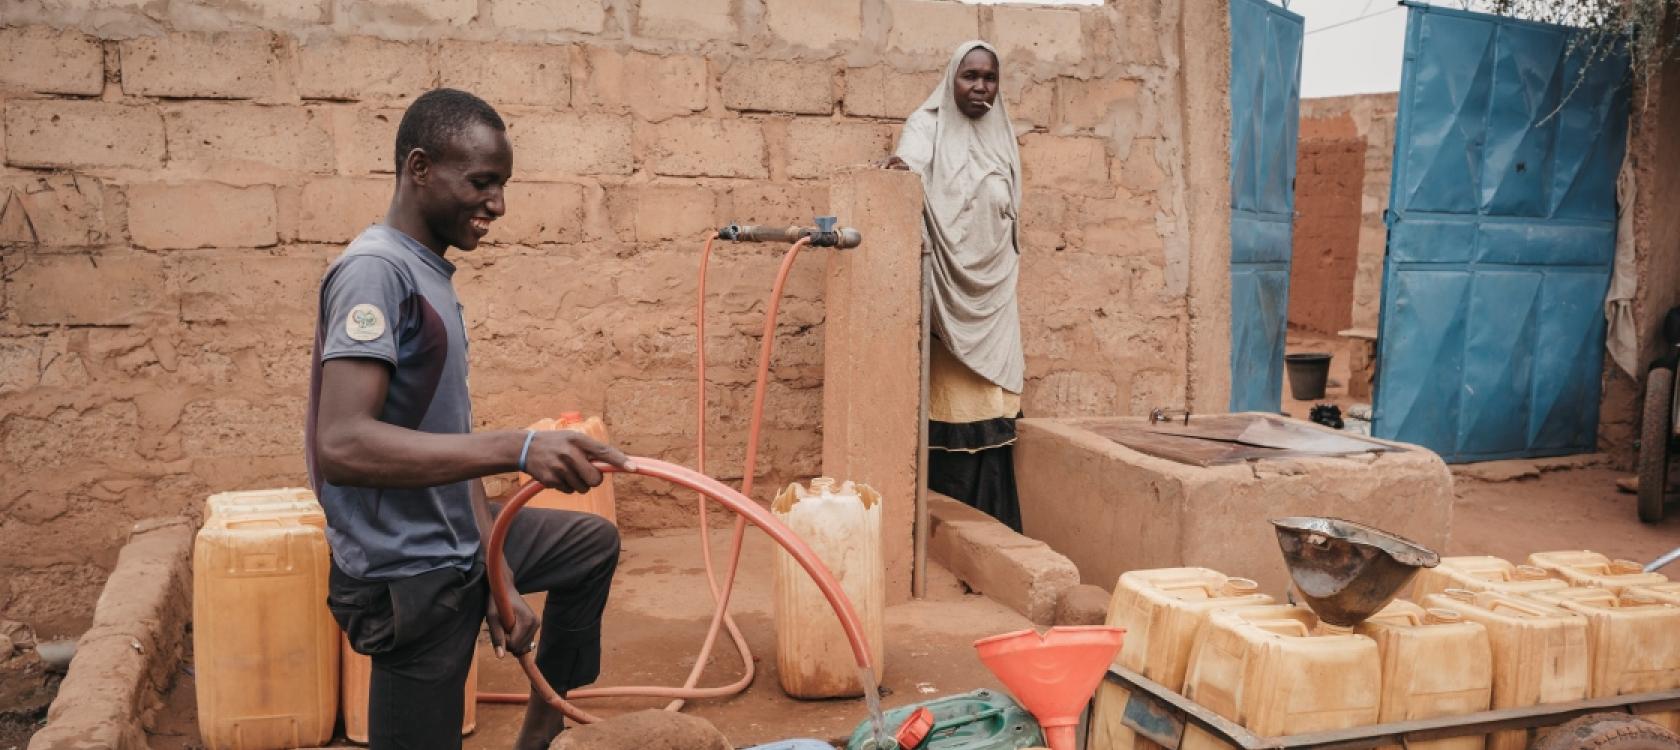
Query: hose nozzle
[824, 234]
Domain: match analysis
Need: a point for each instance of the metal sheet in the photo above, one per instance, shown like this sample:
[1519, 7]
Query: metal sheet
[1228, 439]
[1501, 236]
[1265, 106]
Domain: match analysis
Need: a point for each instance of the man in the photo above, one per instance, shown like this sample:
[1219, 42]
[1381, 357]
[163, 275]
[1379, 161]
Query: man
[396, 464]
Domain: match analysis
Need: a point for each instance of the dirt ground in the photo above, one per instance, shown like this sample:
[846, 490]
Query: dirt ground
[659, 609]
[1569, 509]
[15, 732]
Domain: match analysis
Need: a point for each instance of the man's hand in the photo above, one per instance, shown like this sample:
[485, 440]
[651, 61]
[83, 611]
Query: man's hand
[560, 459]
[524, 634]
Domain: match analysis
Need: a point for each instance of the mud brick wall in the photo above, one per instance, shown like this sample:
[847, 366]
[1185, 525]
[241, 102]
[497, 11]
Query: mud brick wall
[178, 173]
[1653, 150]
[1329, 174]
[1372, 118]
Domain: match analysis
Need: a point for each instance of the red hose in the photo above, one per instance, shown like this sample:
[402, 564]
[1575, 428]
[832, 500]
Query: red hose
[501, 585]
[720, 614]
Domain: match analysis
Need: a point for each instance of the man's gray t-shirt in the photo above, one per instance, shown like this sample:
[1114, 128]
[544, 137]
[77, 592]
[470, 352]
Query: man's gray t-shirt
[390, 298]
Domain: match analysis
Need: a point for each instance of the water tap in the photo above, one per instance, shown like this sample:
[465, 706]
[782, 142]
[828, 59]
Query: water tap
[1167, 414]
[824, 234]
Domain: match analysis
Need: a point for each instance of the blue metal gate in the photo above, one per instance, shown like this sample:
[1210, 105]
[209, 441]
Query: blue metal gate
[1265, 116]
[1502, 229]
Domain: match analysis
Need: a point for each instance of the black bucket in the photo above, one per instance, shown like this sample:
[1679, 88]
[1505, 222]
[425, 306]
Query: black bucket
[1308, 373]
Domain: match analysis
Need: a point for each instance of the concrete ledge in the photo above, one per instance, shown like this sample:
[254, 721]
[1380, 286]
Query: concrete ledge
[1020, 573]
[124, 661]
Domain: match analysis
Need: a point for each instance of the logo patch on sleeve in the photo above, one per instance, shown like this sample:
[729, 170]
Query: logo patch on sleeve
[364, 323]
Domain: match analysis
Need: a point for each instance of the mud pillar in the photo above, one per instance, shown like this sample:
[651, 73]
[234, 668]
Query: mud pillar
[873, 362]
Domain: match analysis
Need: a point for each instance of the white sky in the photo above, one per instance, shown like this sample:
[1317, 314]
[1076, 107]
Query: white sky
[1355, 57]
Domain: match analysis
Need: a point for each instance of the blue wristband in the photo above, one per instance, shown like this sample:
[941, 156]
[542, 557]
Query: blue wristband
[524, 451]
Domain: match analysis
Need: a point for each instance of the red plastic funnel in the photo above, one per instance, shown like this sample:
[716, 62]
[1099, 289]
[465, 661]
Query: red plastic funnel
[1055, 674]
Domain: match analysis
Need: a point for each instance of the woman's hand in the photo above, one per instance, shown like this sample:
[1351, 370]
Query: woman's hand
[892, 162]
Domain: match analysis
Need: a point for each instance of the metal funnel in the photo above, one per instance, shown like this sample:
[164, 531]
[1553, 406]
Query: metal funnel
[1347, 571]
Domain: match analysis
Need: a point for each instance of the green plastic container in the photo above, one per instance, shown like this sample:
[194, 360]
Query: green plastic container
[981, 720]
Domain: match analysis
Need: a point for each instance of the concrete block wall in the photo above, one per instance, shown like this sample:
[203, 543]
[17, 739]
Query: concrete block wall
[178, 173]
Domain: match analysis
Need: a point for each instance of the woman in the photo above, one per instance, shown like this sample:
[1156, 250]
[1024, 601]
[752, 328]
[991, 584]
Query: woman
[961, 143]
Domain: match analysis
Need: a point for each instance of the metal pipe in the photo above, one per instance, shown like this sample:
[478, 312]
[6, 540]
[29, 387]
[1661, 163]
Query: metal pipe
[1662, 562]
[825, 234]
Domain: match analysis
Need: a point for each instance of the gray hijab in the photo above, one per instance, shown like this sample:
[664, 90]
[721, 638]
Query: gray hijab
[971, 180]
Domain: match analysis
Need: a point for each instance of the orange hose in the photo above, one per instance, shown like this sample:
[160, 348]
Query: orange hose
[501, 578]
[720, 615]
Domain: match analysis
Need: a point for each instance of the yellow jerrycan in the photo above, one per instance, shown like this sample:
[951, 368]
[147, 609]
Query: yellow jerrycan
[600, 500]
[1667, 593]
[1539, 652]
[842, 523]
[1481, 573]
[287, 501]
[1434, 663]
[1276, 670]
[1163, 612]
[1633, 642]
[1588, 568]
[265, 648]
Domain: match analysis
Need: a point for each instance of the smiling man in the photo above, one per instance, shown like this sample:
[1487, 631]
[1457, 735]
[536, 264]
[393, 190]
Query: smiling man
[397, 467]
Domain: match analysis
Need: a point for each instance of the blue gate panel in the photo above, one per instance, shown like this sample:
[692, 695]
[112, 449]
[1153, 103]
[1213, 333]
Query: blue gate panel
[1265, 98]
[1565, 414]
[1501, 237]
[1428, 317]
[1266, 240]
[1447, 122]
[1428, 241]
[1595, 125]
[1504, 311]
[1521, 243]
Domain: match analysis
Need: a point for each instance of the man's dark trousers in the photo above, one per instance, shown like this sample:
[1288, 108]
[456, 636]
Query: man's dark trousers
[421, 632]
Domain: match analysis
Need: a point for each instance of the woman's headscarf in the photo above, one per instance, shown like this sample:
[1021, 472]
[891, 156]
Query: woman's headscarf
[971, 180]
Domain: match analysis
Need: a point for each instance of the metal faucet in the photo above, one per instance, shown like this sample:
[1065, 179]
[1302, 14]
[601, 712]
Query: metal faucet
[824, 234]
[1168, 414]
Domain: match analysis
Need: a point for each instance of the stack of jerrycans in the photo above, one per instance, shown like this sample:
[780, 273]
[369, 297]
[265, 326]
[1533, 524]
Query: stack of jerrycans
[1163, 612]
[265, 648]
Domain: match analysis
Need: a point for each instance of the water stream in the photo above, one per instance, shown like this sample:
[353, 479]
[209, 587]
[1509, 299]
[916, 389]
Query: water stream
[872, 698]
